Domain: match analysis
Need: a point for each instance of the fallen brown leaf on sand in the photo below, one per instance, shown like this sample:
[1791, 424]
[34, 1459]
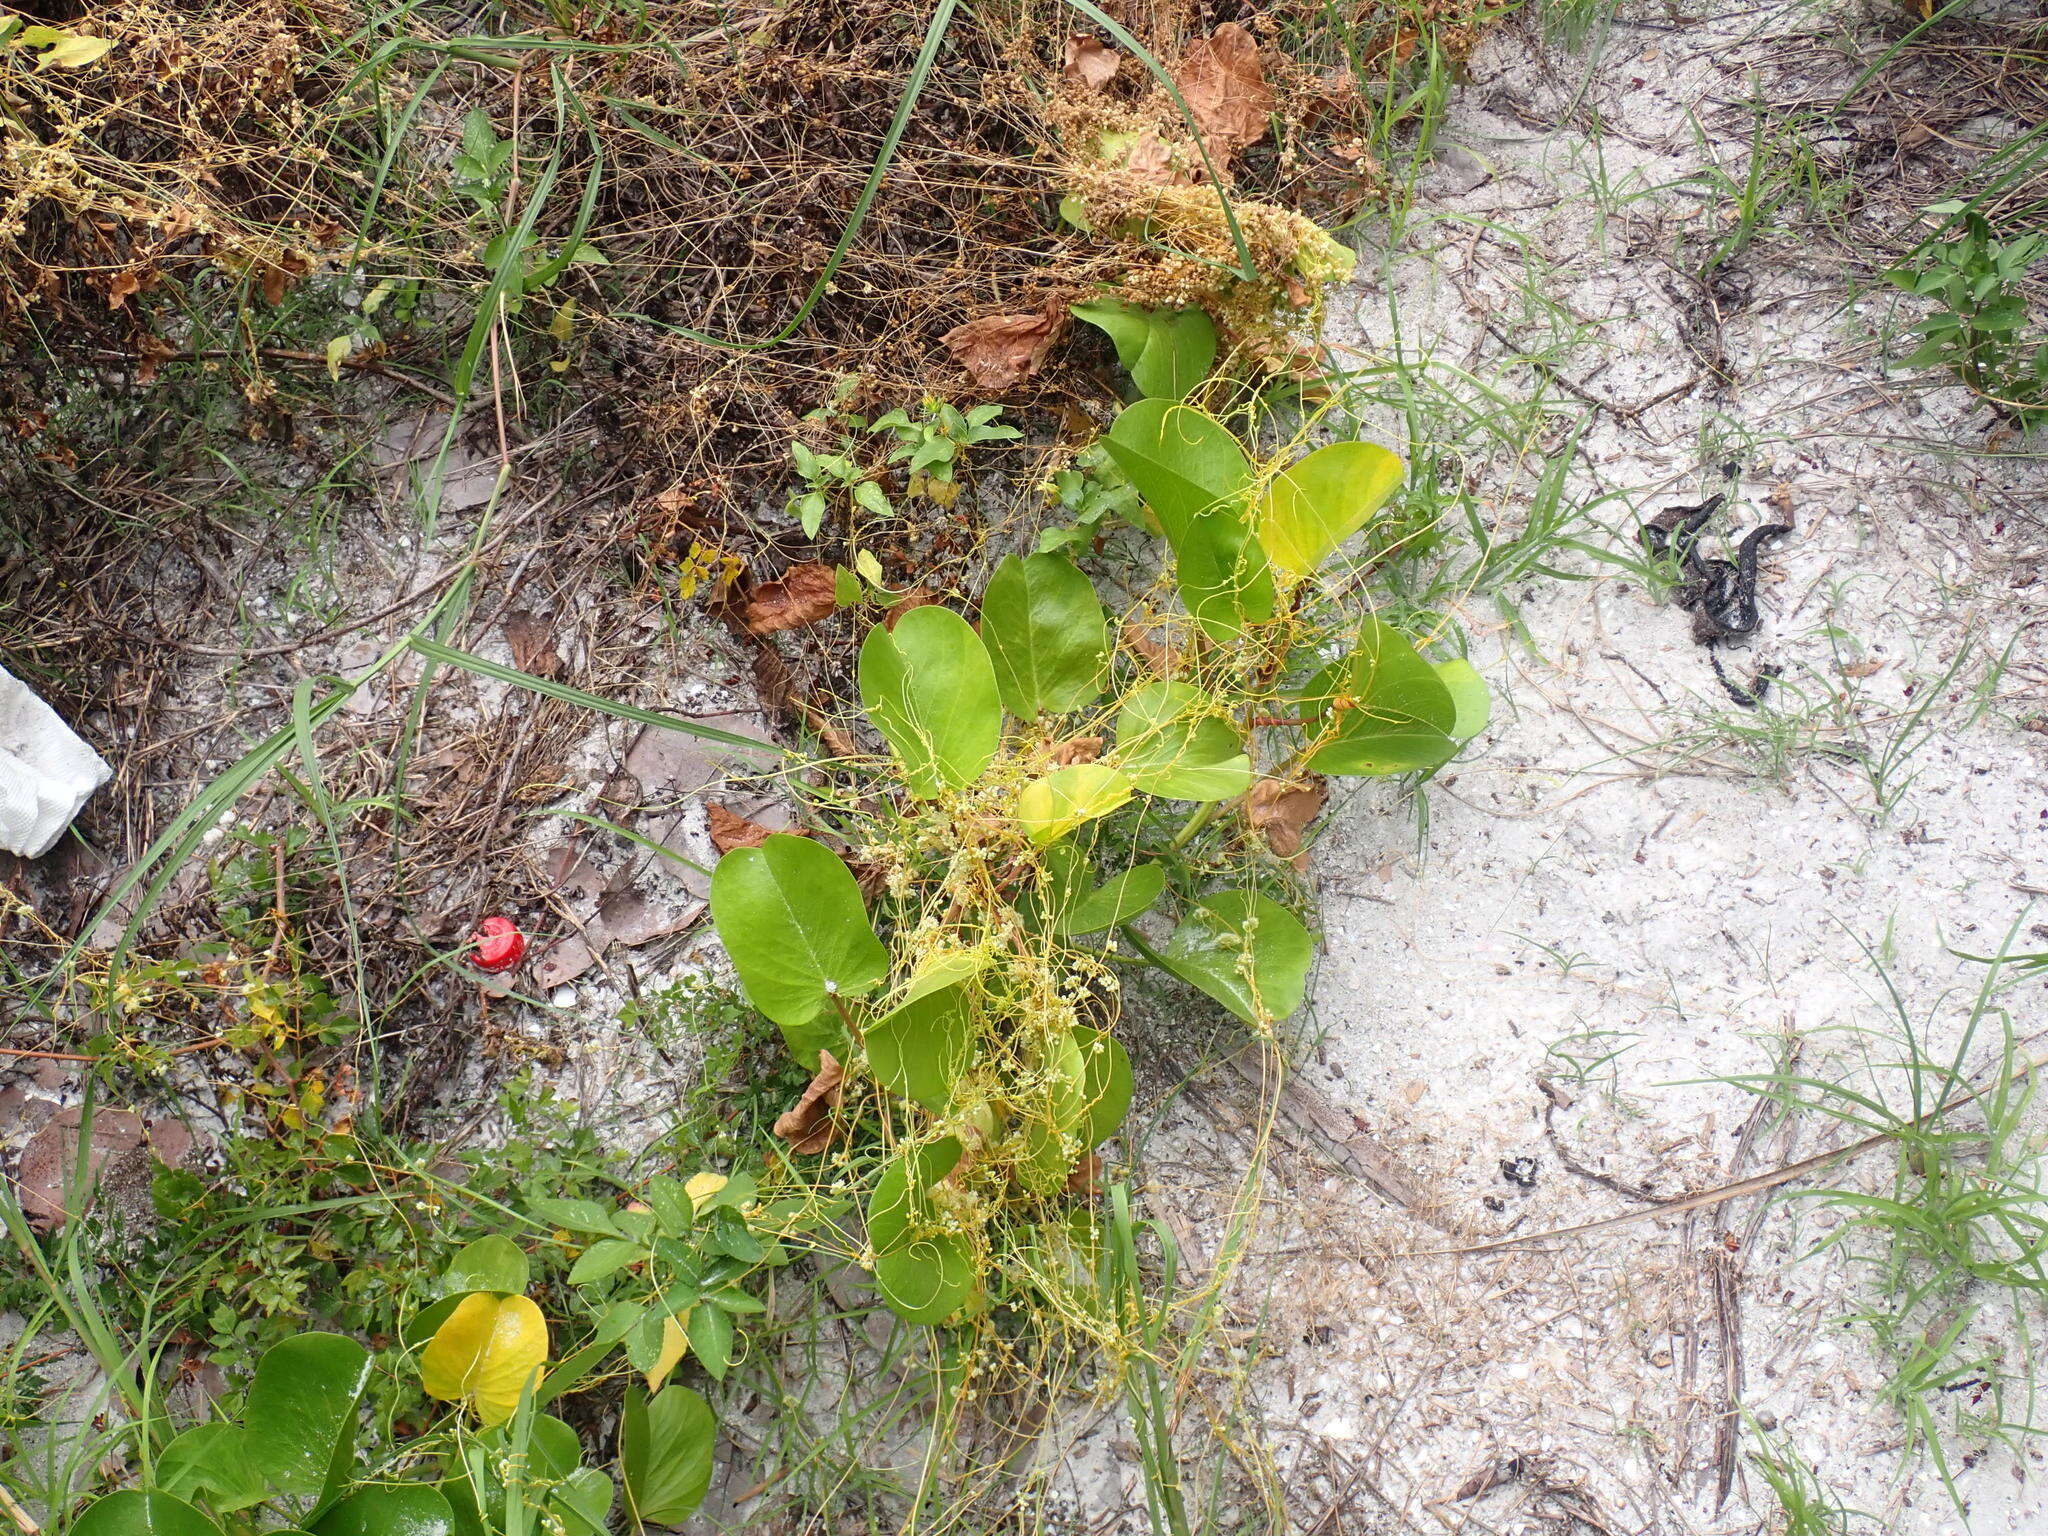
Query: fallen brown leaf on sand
[1155, 654]
[117, 1163]
[1226, 90]
[730, 830]
[1282, 811]
[807, 1125]
[1001, 350]
[779, 688]
[532, 640]
[804, 595]
[1090, 62]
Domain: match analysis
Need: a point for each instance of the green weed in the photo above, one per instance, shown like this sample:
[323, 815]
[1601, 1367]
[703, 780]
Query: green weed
[1981, 332]
[1961, 1225]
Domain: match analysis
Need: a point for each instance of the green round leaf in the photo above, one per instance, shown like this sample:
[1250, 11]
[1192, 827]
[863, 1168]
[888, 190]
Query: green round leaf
[1065, 1071]
[1245, 950]
[1117, 900]
[1105, 1083]
[553, 1450]
[1167, 352]
[665, 1446]
[922, 1045]
[1223, 575]
[211, 1458]
[1168, 743]
[927, 1280]
[1383, 710]
[1050, 807]
[300, 1421]
[1044, 1157]
[1316, 504]
[791, 917]
[1181, 461]
[389, 1509]
[583, 1499]
[930, 689]
[135, 1513]
[1469, 695]
[1047, 635]
[493, 1263]
[898, 1202]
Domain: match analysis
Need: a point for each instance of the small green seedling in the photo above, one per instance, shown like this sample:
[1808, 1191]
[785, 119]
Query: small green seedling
[1981, 333]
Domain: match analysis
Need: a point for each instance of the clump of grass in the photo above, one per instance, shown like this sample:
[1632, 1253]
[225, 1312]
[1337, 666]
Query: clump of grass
[1954, 1244]
[1808, 1506]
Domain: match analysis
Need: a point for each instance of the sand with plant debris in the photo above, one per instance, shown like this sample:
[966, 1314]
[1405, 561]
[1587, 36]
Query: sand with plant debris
[1632, 884]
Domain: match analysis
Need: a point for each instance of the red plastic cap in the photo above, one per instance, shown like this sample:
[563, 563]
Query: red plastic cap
[499, 945]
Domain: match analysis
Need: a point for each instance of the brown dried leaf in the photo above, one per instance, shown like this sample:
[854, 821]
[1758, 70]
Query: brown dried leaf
[562, 962]
[916, 597]
[1090, 62]
[1082, 749]
[1148, 160]
[532, 640]
[807, 1125]
[570, 873]
[804, 595]
[116, 1163]
[1001, 350]
[1085, 1178]
[1158, 656]
[730, 830]
[772, 676]
[1226, 90]
[1282, 811]
[633, 917]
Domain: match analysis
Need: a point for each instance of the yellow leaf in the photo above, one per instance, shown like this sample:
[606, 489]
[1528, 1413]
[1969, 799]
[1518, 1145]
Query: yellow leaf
[64, 50]
[1051, 807]
[563, 326]
[701, 1187]
[338, 349]
[485, 1353]
[675, 1343]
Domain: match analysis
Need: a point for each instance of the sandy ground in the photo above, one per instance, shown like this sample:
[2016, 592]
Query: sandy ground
[1631, 884]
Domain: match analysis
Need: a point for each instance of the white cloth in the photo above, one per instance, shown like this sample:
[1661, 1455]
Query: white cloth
[46, 772]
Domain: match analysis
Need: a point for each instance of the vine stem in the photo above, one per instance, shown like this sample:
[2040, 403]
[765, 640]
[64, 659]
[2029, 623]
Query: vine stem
[1139, 943]
[1203, 814]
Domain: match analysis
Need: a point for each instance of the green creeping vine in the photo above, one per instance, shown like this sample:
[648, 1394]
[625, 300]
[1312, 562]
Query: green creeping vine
[1061, 801]
[1019, 845]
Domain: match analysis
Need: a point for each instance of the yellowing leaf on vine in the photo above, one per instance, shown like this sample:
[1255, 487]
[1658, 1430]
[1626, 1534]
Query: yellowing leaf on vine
[701, 1187]
[1051, 807]
[485, 1354]
[64, 50]
[675, 1343]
